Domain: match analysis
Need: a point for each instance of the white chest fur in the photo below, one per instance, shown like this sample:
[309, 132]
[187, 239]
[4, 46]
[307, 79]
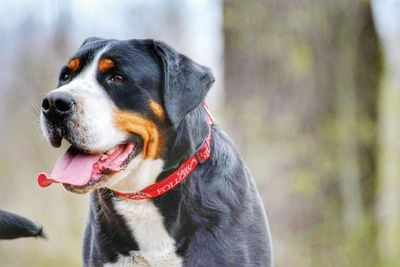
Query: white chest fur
[156, 247]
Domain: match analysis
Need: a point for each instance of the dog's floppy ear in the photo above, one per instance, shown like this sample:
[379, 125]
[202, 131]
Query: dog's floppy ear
[186, 83]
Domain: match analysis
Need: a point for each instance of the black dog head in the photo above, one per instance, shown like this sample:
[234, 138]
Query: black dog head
[13, 226]
[120, 105]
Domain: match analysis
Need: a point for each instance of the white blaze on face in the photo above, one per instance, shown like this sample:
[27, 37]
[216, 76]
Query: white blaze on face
[94, 110]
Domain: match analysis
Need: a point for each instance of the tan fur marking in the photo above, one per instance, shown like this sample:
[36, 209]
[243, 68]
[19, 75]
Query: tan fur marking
[134, 123]
[105, 64]
[74, 64]
[157, 109]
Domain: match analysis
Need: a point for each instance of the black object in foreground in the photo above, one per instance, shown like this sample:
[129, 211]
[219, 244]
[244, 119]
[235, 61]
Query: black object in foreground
[14, 226]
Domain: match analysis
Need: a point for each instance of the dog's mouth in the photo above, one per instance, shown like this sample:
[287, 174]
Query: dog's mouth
[79, 171]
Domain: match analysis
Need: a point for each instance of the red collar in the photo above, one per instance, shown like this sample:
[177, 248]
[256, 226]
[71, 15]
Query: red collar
[200, 156]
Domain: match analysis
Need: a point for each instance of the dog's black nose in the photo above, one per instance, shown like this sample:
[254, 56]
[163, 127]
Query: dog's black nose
[57, 105]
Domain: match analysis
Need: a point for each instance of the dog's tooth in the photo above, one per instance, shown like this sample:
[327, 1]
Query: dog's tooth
[103, 157]
[112, 150]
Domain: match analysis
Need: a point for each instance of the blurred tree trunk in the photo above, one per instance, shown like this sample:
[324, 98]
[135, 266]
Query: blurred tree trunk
[388, 211]
[346, 114]
[301, 81]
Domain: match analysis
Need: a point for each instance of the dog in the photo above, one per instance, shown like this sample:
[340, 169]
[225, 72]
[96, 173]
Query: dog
[13, 226]
[167, 186]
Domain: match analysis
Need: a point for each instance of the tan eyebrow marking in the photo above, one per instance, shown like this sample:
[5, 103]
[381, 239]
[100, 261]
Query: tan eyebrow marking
[105, 64]
[74, 64]
[157, 109]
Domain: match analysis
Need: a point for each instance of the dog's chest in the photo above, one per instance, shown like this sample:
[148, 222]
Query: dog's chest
[156, 246]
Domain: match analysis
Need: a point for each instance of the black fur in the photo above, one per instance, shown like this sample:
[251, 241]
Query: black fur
[13, 226]
[215, 216]
[186, 83]
[106, 235]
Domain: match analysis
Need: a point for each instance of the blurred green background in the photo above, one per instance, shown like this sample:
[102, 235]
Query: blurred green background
[308, 89]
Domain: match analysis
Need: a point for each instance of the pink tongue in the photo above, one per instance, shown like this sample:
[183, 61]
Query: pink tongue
[77, 168]
[74, 167]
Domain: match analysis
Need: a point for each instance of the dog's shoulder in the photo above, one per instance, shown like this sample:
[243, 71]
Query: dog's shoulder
[221, 217]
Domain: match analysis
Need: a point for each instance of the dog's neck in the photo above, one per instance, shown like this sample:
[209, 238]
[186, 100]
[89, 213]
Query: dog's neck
[185, 140]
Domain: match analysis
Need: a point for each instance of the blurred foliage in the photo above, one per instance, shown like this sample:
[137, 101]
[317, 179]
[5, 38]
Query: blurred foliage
[302, 80]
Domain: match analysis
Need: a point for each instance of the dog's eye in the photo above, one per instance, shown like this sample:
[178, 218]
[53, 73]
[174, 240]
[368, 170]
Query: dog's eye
[116, 79]
[65, 77]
